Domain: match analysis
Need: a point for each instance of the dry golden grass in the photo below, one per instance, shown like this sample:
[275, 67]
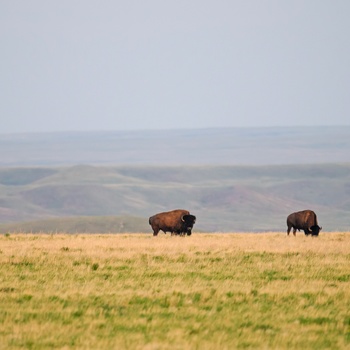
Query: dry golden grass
[205, 291]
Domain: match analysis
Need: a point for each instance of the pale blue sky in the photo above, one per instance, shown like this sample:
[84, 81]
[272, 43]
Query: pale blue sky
[115, 65]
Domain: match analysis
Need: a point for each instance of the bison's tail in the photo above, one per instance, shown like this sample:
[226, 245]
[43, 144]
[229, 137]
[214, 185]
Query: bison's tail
[150, 220]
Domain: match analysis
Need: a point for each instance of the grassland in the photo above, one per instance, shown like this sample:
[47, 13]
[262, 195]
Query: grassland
[207, 291]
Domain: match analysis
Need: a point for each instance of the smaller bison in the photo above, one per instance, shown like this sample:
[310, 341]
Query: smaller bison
[178, 222]
[305, 220]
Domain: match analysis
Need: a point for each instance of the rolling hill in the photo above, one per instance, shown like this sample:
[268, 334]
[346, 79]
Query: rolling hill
[224, 198]
[232, 179]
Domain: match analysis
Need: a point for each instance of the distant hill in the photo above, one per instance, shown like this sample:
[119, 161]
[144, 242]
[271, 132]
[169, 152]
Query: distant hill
[224, 198]
[221, 146]
[80, 224]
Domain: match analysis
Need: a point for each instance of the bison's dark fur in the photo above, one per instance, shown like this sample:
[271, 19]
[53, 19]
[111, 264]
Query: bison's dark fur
[305, 220]
[178, 222]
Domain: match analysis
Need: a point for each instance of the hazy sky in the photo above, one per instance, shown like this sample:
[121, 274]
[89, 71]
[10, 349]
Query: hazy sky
[111, 65]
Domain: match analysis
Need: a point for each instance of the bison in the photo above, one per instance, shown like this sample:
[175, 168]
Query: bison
[178, 222]
[305, 220]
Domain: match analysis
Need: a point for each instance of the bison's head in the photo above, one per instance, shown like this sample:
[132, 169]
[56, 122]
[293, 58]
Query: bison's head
[188, 222]
[315, 230]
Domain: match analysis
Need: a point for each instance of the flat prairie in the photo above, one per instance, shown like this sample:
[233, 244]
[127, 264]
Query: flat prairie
[206, 291]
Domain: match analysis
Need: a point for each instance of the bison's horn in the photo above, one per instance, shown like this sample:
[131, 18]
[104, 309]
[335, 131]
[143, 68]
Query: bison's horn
[182, 218]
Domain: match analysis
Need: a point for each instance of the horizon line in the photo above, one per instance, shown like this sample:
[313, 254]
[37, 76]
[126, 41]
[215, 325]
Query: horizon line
[77, 131]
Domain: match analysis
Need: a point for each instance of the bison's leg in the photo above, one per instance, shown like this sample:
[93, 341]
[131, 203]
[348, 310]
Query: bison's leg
[288, 230]
[189, 232]
[155, 231]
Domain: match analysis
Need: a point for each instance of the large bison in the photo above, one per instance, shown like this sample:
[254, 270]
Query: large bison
[178, 222]
[305, 220]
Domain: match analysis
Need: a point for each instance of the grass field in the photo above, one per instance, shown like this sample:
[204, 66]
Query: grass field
[207, 291]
